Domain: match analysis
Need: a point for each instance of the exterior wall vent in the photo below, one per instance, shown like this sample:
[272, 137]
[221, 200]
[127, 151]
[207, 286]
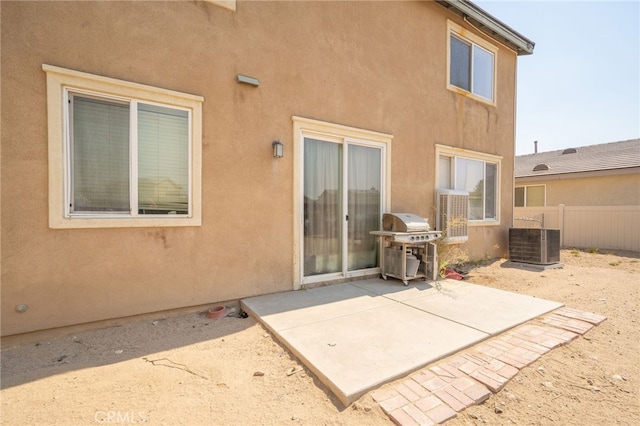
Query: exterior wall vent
[540, 167]
[452, 215]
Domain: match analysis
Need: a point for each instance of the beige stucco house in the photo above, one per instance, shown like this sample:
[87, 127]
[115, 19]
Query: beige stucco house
[590, 193]
[605, 174]
[164, 155]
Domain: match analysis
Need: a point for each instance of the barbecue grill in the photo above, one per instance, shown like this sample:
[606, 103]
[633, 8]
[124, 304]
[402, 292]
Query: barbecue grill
[408, 247]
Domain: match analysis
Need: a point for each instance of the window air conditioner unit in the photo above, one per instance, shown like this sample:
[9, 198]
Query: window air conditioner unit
[452, 215]
[537, 246]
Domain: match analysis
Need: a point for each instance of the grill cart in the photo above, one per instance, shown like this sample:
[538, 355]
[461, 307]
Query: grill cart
[409, 249]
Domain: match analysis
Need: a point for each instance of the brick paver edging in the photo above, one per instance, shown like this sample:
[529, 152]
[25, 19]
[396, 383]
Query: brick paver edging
[437, 393]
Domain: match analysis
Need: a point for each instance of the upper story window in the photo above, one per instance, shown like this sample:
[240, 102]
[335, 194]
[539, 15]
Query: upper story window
[121, 154]
[476, 173]
[472, 64]
[530, 196]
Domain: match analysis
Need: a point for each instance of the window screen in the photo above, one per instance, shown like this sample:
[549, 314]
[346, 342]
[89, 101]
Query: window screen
[482, 72]
[490, 196]
[163, 160]
[460, 66]
[100, 139]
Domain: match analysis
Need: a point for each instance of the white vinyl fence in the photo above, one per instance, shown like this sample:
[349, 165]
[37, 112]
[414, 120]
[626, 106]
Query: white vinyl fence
[611, 227]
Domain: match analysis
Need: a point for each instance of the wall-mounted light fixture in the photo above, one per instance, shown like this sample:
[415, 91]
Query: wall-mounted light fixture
[278, 149]
[248, 80]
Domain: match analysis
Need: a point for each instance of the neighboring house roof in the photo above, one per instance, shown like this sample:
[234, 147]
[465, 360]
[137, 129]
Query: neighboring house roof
[490, 25]
[593, 158]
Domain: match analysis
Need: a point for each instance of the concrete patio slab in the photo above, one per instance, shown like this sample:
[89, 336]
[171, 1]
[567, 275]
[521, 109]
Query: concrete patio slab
[351, 356]
[394, 290]
[359, 335]
[486, 309]
[281, 311]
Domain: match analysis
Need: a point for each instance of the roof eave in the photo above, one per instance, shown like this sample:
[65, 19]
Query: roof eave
[578, 174]
[490, 25]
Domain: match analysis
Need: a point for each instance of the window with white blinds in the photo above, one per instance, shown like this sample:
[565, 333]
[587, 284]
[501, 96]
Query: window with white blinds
[121, 154]
[128, 157]
[163, 160]
[100, 156]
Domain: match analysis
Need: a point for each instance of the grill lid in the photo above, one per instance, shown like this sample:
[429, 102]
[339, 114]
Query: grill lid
[404, 222]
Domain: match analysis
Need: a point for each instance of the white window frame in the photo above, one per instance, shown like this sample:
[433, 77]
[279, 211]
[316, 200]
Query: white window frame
[453, 153]
[306, 127]
[526, 187]
[60, 82]
[477, 42]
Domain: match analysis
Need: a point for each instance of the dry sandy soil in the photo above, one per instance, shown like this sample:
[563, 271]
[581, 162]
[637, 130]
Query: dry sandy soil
[193, 370]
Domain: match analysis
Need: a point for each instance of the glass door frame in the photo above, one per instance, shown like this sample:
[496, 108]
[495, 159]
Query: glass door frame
[304, 127]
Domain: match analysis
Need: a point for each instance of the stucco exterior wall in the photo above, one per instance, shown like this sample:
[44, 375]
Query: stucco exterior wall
[379, 66]
[612, 189]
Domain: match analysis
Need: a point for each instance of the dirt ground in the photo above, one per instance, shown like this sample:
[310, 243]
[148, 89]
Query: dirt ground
[193, 370]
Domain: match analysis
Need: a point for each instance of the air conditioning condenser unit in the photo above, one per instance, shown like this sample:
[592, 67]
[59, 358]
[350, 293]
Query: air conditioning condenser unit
[537, 246]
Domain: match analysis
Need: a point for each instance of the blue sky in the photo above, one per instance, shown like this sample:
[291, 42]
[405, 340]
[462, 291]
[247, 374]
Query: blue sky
[581, 86]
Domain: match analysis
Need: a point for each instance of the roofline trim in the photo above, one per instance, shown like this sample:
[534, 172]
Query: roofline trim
[466, 9]
[578, 174]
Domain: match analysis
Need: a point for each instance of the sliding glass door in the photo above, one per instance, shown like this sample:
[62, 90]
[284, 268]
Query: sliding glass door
[342, 203]
[364, 205]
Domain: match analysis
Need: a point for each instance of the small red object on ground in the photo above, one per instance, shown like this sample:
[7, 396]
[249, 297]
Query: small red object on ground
[451, 274]
[217, 312]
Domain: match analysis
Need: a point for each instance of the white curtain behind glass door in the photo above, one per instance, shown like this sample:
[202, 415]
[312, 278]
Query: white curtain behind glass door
[322, 207]
[364, 185]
